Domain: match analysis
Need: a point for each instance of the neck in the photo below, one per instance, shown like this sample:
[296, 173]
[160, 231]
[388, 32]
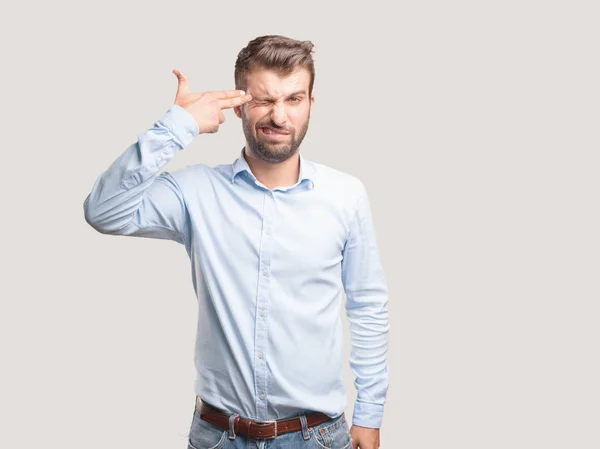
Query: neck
[282, 174]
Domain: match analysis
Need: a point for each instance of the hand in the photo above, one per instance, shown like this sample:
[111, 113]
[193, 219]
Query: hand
[207, 107]
[364, 437]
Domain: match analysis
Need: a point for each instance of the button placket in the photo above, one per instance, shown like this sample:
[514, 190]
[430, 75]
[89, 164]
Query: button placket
[262, 301]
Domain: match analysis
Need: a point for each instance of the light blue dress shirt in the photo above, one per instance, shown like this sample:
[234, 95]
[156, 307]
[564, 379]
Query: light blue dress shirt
[269, 269]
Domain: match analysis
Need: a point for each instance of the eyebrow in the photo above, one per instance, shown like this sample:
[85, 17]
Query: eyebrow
[269, 98]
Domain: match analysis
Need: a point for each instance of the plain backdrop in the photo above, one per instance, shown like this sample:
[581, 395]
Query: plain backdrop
[474, 126]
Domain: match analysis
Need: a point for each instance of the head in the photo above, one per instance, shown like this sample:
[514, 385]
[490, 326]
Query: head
[279, 74]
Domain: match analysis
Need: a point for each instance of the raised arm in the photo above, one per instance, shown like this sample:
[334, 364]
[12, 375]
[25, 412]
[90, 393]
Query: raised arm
[128, 198]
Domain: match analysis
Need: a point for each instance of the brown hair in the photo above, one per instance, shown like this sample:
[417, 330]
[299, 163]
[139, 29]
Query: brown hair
[277, 53]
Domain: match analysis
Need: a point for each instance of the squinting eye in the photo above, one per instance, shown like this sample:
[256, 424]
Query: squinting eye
[295, 100]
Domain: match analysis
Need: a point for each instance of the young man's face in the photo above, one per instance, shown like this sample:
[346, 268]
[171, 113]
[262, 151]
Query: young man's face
[276, 119]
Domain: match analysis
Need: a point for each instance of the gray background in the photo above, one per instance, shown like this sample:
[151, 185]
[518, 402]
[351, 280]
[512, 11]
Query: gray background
[474, 126]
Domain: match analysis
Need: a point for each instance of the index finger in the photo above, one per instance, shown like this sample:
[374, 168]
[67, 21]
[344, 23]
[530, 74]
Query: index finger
[233, 102]
[224, 94]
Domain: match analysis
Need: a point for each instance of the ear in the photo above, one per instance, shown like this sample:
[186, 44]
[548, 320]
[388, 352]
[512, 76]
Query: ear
[238, 111]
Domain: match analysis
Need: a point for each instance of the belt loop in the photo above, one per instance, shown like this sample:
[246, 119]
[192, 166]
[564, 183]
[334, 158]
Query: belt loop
[232, 419]
[304, 423]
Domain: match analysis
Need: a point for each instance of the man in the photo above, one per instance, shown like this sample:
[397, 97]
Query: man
[273, 240]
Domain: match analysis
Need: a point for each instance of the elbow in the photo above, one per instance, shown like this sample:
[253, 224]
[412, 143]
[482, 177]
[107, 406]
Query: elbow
[94, 218]
[91, 218]
[372, 296]
[108, 217]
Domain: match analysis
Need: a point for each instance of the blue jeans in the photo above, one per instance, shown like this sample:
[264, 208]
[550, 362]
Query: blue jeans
[334, 434]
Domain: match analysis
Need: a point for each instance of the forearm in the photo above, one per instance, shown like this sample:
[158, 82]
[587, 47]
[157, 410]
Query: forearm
[118, 191]
[368, 317]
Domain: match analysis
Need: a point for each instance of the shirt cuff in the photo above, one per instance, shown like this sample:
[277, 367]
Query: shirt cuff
[367, 415]
[181, 124]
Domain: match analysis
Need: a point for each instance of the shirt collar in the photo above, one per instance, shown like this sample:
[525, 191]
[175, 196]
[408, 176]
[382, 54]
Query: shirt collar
[307, 169]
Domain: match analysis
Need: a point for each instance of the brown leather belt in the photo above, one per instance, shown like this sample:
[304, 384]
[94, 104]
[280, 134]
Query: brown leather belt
[258, 429]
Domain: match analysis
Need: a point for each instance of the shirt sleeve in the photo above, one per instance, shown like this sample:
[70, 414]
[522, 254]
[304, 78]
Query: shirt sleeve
[129, 199]
[367, 311]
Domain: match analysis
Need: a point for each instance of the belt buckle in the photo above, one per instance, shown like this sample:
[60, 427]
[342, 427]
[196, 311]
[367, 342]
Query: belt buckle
[266, 423]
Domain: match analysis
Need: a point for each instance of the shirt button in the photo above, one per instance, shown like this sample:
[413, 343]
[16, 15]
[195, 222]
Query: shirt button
[260, 355]
[262, 396]
[268, 231]
[262, 313]
[189, 135]
[265, 272]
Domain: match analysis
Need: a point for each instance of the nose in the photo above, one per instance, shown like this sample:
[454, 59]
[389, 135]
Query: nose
[278, 114]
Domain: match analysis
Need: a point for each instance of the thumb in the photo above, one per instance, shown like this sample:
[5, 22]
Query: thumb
[182, 83]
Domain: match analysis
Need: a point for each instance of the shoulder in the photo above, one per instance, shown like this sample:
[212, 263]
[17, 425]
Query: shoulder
[338, 183]
[196, 172]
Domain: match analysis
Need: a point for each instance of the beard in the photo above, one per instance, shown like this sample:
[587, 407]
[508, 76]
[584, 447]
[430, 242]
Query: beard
[269, 151]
